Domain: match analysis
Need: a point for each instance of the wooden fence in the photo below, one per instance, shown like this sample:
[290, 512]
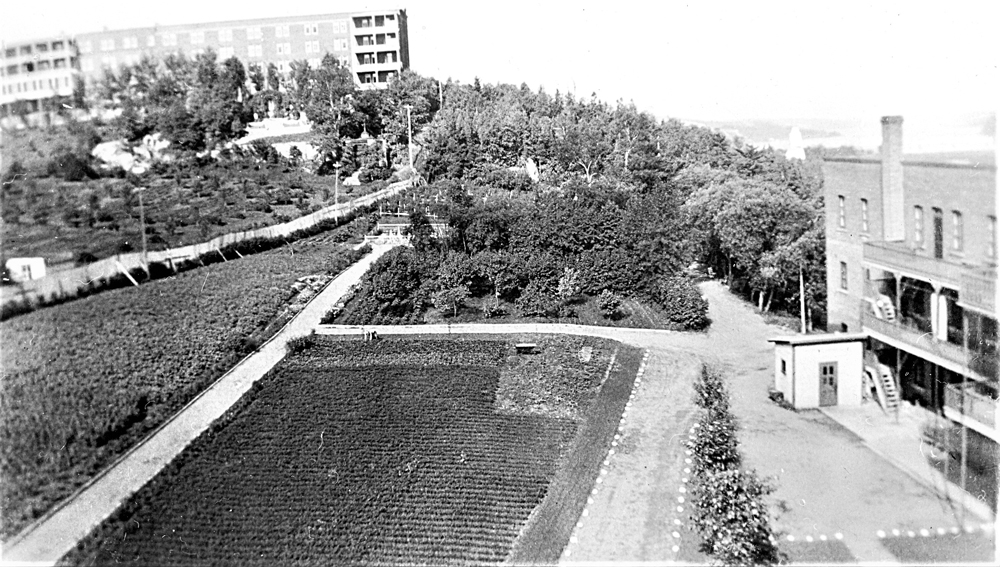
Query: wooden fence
[68, 283]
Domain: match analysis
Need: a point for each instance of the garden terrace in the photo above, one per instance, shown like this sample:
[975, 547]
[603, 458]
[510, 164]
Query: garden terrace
[369, 452]
[85, 380]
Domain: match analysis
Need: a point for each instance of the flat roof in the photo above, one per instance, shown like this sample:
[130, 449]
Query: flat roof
[823, 338]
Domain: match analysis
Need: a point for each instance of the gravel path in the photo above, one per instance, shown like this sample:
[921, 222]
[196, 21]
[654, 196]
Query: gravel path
[47, 540]
[829, 484]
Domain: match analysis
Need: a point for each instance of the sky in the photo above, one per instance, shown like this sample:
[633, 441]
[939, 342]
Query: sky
[701, 61]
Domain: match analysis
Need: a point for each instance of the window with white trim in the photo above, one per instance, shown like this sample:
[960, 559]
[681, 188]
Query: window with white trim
[918, 226]
[312, 46]
[284, 48]
[281, 31]
[225, 36]
[255, 51]
[841, 212]
[225, 52]
[254, 33]
[864, 215]
[151, 41]
[169, 39]
[310, 29]
[197, 37]
[108, 44]
[843, 275]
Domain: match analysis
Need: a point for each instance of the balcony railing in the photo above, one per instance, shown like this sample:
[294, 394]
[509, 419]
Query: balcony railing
[973, 404]
[979, 289]
[911, 337]
[895, 256]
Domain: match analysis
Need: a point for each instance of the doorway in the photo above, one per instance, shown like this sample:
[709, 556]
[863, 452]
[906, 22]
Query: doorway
[827, 384]
[938, 234]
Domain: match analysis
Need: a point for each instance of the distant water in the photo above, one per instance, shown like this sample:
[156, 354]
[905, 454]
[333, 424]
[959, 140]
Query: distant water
[970, 134]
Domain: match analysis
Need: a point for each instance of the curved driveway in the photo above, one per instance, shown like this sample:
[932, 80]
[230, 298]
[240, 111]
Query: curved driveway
[827, 480]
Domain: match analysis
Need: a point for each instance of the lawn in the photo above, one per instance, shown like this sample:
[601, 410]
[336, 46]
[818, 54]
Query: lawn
[85, 380]
[394, 451]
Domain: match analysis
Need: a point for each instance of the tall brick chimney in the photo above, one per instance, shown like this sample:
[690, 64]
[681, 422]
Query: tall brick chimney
[893, 215]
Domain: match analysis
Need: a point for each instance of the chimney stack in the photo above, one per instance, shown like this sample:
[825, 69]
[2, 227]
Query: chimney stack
[893, 227]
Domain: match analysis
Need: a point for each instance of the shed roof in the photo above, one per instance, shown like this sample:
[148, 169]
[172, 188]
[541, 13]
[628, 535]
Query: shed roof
[824, 338]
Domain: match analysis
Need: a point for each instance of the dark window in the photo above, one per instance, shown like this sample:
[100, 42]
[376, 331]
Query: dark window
[843, 275]
[864, 215]
[957, 231]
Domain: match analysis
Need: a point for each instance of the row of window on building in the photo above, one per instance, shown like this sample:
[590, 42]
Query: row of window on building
[36, 85]
[253, 33]
[957, 231]
[45, 47]
[33, 66]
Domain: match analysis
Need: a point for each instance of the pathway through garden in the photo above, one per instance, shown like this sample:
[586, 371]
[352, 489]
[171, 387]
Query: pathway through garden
[829, 484]
[48, 539]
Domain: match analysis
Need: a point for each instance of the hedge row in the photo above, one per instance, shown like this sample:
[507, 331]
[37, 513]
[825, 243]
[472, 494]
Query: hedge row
[729, 510]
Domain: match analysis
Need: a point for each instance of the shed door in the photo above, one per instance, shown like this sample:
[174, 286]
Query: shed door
[827, 384]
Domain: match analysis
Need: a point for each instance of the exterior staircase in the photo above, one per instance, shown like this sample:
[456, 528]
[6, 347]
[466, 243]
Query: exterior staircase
[885, 385]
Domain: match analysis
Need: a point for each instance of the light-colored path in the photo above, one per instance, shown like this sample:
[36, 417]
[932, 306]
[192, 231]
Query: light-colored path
[828, 480]
[46, 541]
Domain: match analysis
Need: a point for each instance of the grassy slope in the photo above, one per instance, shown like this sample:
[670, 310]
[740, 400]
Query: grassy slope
[85, 380]
[183, 205]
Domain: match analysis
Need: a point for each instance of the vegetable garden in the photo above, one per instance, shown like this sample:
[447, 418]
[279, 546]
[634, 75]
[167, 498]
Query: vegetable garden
[394, 451]
[85, 380]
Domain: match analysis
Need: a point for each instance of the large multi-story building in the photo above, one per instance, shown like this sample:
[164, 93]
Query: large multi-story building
[36, 70]
[912, 264]
[374, 45]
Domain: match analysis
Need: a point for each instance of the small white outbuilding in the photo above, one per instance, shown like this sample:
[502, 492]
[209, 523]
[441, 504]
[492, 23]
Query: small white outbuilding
[820, 370]
[24, 269]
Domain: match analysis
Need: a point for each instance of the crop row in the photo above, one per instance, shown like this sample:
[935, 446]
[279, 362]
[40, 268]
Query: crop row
[83, 381]
[329, 352]
[380, 464]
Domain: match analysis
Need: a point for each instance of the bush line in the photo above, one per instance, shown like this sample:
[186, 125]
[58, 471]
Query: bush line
[729, 510]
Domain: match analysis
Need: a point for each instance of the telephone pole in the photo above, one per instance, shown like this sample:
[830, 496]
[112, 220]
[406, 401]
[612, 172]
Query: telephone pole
[409, 133]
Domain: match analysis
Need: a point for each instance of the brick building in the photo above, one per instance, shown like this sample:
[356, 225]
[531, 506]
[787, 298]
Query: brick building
[373, 44]
[912, 264]
[35, 70]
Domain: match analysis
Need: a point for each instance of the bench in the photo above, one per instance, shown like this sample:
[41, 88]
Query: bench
[525, 348]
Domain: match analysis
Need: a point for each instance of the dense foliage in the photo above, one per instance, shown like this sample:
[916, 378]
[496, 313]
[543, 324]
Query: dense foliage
[547, 183]
[83, 381]
[376, 452]
[729, 509]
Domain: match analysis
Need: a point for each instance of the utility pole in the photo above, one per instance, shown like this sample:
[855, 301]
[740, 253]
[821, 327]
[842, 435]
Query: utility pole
[802, 299]
[409, 133]
[142, 227]
[336, 184]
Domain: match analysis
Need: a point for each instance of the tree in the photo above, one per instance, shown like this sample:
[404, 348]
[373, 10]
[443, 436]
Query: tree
[451, 298]
[609, 303]
[420, 231]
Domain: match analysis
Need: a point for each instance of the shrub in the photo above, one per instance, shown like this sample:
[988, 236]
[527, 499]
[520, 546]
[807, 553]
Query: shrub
[730, 514]
[299, 344]
[609, 303]
[715, 446]
[681, 302]
[537, 300]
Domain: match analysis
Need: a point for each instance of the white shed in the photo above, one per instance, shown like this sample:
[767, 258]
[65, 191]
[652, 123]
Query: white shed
[820, 370]
[24, 269]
